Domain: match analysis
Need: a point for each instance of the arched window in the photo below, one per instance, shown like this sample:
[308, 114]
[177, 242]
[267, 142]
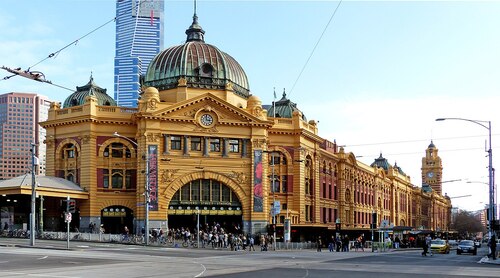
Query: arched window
[69, 151]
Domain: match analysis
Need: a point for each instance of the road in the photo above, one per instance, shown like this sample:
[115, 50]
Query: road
[84, 259]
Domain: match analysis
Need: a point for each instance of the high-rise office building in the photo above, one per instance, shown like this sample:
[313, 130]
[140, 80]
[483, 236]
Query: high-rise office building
[20, 114]
[139, 37]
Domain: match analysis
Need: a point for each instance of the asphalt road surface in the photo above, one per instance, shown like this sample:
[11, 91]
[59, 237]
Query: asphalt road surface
[83, 259]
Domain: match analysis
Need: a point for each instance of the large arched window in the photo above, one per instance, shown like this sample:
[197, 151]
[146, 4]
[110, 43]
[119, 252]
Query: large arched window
[205, 192]
[278, 166]
[119, 170]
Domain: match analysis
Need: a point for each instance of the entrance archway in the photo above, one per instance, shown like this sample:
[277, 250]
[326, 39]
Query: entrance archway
[213, 201]
[115, 218]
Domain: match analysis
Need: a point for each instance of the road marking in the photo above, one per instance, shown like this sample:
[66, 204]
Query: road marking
[201, 273]
[43, 258]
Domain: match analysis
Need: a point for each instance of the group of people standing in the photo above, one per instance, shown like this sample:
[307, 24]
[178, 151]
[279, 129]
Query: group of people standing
[341, 244]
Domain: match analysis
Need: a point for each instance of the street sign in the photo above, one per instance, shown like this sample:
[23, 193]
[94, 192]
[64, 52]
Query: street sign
[276, 208]
[67, 217]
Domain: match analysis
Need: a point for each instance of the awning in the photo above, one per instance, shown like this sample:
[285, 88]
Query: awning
[45, 186]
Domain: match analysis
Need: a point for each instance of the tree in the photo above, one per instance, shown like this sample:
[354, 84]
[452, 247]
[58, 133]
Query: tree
[466, 224]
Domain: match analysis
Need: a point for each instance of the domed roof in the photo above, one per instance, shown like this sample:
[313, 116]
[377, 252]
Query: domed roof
[381, 162]
[202, 65]
[90, 89]
[431, 145]
[399, 168]
[284, 108]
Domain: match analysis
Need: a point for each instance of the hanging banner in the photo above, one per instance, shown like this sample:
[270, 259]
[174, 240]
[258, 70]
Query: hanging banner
[257, 182]
[153, 176]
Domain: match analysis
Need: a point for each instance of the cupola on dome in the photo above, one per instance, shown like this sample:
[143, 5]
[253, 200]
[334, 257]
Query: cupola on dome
[202, 66]
[90, 89]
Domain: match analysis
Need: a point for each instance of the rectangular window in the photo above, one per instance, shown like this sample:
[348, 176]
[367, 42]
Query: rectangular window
[234, 145]
[215, 145]
[128, 179]
[175, 143]
[105, 178]
[117, 178]
[196, 143]
[284, 184]
[195, 191]
[225, 194]
[205, 190]
[185, 193]
[215, 191]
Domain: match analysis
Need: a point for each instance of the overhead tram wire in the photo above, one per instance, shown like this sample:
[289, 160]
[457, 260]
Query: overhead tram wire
[315, 46]
[28, 74]
[412, 141]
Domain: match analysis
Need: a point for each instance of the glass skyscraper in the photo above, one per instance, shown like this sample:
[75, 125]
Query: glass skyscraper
[139, 37]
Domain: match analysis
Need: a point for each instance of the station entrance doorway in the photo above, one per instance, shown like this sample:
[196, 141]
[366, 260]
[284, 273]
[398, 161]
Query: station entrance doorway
[210, 201]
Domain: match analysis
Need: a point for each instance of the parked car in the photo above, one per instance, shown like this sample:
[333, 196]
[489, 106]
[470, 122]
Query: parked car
[466, 246]
[440, 246]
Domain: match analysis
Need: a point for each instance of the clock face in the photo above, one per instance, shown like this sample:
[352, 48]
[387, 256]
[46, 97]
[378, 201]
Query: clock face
[206, 119]
[430, 174]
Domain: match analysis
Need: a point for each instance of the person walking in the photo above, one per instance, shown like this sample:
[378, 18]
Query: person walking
[251, 243]
[397, 241]
[331, 244]
[427, 245]
[319, 243]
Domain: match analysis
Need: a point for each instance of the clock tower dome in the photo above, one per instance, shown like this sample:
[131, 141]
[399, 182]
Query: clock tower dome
[432, 169]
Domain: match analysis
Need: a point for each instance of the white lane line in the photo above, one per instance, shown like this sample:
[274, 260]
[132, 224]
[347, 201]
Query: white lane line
[201, 273]
[43, 258]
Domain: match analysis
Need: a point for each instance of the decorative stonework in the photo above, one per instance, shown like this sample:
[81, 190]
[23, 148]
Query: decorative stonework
[152, 104]
[238, 176]
[85, 139]
[182, 82]
[49, 142]
[153, 137]
[198, 128]
[191, 113]
[167, 175]
[257, 111]
[259, 143]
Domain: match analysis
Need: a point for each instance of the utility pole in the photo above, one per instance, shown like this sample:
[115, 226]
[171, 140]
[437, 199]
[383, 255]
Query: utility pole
[33, 195]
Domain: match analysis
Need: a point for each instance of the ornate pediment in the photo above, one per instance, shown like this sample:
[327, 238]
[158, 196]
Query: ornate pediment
[216, 111]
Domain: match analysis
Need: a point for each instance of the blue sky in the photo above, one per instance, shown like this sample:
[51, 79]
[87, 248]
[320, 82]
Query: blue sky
[381, 74]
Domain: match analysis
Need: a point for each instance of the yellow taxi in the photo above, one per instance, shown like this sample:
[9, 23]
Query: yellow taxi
[440, 246]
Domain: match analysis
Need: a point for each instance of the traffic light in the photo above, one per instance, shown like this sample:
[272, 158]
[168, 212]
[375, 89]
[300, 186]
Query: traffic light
[374, 220]
[70, 205]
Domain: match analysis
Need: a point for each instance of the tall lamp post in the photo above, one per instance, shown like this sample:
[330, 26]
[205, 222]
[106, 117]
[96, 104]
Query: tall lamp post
[33, 195]
[487, 125]
[146, 189]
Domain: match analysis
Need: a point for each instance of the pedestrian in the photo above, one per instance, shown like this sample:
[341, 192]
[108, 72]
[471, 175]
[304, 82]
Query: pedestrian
[345, 244]
[397, 241]
[361, 243]
[125, 233]
[251, 243]
[426, 245]
[319, 243]
[102, 230]
[331, 244]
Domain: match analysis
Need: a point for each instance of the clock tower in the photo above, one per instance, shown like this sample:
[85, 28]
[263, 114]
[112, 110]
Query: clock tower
[432, 169]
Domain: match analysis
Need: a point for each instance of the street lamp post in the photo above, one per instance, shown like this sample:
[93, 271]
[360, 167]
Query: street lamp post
[491, 214]
[146, 189]
[33, 195]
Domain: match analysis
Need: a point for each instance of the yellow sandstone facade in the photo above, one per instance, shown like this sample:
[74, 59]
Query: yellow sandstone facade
[205, 146]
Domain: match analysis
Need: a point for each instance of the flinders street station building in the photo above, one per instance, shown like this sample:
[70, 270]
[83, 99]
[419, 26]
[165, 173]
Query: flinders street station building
[199, 144]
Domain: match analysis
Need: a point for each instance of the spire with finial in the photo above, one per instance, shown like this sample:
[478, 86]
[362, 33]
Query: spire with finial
[195, 32]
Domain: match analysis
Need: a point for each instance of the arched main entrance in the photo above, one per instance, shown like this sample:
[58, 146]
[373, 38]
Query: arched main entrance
[212, 200]
[115, 219]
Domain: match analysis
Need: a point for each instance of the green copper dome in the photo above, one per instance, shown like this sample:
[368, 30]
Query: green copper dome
[381, 162]
[283, 108]
[90, 89]
[202, 66]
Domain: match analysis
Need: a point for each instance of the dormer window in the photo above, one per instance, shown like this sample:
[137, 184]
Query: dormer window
[206, 70]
